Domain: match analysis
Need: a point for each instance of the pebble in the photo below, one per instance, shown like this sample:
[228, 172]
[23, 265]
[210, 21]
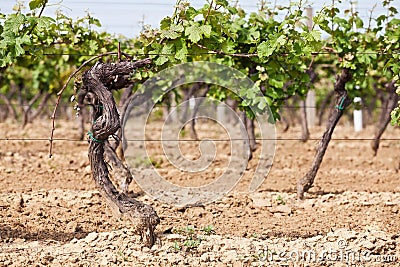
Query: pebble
[229, 256]
[145, 249]
[379, 235]
[215, 250]
[368, 245]
[91, 237]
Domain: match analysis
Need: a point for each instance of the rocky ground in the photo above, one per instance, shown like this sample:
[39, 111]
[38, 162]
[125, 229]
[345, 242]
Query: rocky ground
[53, 215]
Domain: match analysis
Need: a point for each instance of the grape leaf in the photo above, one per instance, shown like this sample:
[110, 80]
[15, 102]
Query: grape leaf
[33, 4]
[193, 32]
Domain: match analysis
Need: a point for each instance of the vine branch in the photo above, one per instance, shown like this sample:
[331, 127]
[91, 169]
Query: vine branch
[59, 94]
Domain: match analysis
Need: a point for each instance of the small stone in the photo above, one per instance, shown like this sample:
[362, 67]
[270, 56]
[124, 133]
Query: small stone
[19, 240]
[366, 203]
[347, 235]
[368, 245]
[155, 247]
[285, 209]
[104, 262]
[260, 201]
[230, 255]
[371, 238]
[379, 235]
[91, 237]
[205, 257]
[315, 238]
[331, 236]
[71, 227]
[174, 258]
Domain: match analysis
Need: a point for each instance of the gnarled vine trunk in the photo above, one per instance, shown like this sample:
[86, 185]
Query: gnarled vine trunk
[342, 102]
[98, 82]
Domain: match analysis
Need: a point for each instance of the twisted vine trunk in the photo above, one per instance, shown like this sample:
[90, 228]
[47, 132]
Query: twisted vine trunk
[342, 102]
[97, 85]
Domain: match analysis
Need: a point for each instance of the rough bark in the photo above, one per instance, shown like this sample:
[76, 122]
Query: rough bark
[120, 171]
[98, 83]
[114, 152]
[342, 102]
[123, 105]
[390, 104]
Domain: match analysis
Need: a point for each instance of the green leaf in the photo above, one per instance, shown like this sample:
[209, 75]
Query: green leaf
[44, 23]
[228, 46]
[316, 35]
[206, 30]
[14, 22]
[281, 40]
[165, 52]
[262, 104]
[33, 4]
[94, 21]
[193, 32]
[93, 46]
[264, 49]
[359, 23]
[18, 49]
[170, 34]
[173, 32]
[181, 54]
[275, 83]
[165, 23]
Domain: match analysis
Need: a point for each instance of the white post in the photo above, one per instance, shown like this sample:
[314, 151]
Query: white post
[310, 108]
[310, 98]
[192, 103]
[357, 116]
[357, 113]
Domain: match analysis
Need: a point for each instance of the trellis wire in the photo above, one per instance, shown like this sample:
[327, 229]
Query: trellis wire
[192, 140]
[231, 54]
[174, 106]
